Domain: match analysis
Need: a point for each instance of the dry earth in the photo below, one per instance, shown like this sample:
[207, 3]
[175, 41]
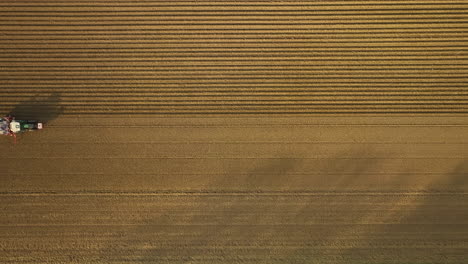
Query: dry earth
[235, 131]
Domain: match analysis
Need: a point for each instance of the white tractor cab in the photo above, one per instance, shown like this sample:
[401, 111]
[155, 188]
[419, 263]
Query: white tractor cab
[15, 127]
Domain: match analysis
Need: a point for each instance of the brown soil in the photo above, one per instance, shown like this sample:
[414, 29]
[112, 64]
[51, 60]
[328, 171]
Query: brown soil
[235, 132]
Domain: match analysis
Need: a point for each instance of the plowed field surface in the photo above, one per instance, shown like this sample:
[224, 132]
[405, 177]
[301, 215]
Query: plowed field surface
[235, 131]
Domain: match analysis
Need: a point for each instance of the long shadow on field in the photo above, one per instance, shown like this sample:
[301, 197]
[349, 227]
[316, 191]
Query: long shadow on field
[224, 228]
[342, 225]
[436, 226]
[221, 223]
[445, 213]
[272, 174]
[334, 214]
[202, 226]
[429, 227]
[39, 107]
[337, 224]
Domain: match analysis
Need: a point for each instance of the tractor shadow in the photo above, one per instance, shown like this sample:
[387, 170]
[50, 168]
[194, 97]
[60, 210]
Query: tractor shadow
[41, 108]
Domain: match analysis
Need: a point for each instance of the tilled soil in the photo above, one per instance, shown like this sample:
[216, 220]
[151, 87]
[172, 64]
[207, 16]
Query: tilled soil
[234, 57]
[238, 190]
[235, 132]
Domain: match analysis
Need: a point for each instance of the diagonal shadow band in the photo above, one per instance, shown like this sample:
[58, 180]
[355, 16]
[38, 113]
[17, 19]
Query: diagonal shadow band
[39, 107]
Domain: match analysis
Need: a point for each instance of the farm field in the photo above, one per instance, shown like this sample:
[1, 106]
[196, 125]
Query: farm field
[235, 131]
